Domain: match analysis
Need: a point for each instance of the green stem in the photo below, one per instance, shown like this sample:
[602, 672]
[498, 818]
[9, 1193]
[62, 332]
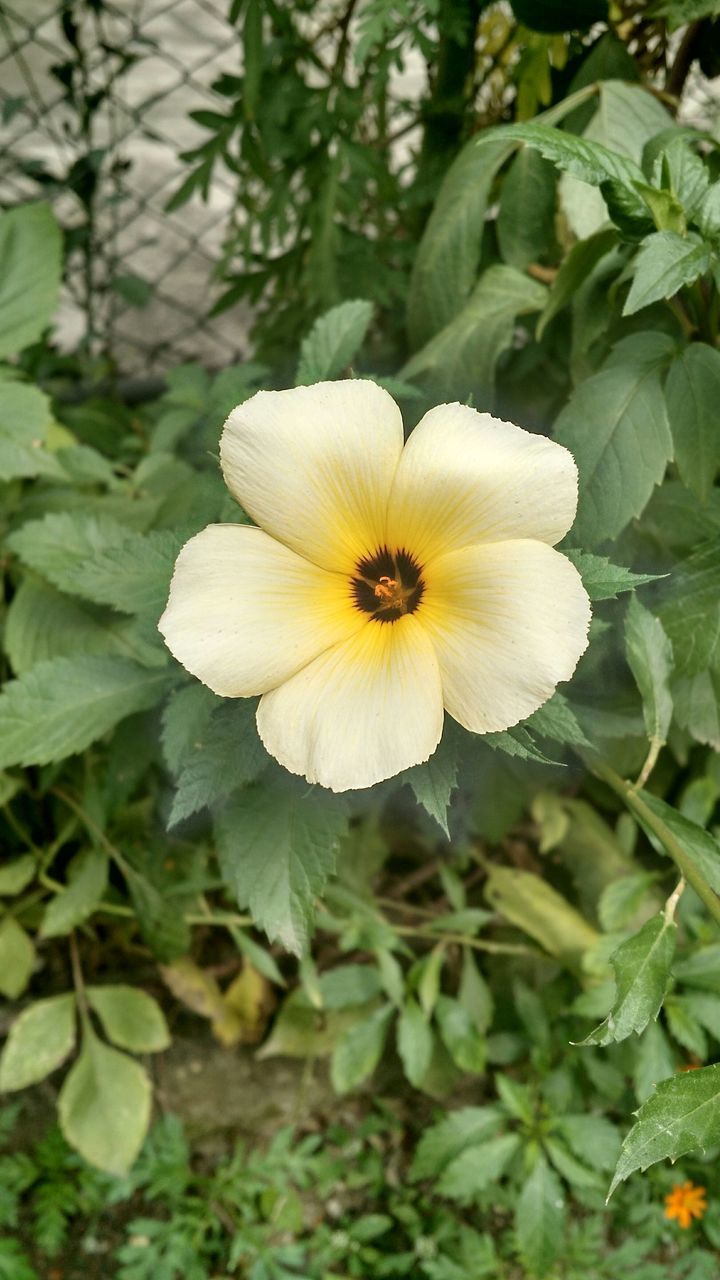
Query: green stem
[668, 840]
[480, 944]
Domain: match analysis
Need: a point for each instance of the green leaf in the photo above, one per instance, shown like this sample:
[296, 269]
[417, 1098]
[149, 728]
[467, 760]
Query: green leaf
[25, 417]
[685, 1028]
[38, 1042]
[414, 1042]
[277, 847]
[534, 906]
[462, 356]
[442, 1142]
[526, 218]
[349, 984]
[557, 721]
[573, 1171]
[627, 116]
[692, 391]
[448, 255]
[358, 1052]
[61, 706]
[642, 972]
[615, 425]
[590, 161]
[15, 875]
[477, 1166]
[540, 1219]
[665, 262]
[184, 720]
[163, 927]
[462, 1039]
[30, 268]
[17, 958]
[574, 269]
[700, 846]
[690, 610]
[433, 783]
[649, 655]
[86, 886]
[682, 1116]
[654, 1061]
[227, 754]
[131, 1018]
[104, 1106]
[591, 1138]
[334, 341]
[101, 560]
[603, 580]
[42, 623]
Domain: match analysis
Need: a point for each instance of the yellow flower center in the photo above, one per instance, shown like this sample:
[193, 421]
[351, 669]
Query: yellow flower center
[387, 585]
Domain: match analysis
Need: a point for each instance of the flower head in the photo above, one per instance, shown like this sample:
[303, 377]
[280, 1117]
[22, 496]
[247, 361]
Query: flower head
[386, 582]
[685, 1203]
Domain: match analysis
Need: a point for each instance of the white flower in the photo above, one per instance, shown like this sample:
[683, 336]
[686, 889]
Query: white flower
[385, 582]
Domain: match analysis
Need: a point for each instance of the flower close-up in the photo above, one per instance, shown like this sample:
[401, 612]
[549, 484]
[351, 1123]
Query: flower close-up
[386, 582]
[685, 1202]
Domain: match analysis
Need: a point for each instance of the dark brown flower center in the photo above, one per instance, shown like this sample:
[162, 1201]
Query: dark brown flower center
[387, 585]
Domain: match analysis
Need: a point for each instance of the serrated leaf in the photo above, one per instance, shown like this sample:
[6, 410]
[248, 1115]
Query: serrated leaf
[17, 958]
[86, 885]
[592, 1138]
[517, 742]
[334, 341]
[615, 425]
[650, 657]
[184, 720]
[358, 1052]
[603, 580]
[433, 783]
[25, 416]
[654, 1061]
[227, 754]
[665, 263]
[38, 1042]
[477, 1166]
[556, 720]
[414, 1041]
[682, 1116]
[130, 1017]
[163, 927]
[30, 267]
[104, 1106]
[642, 972]
[690, 610]
[63, 705]
[442, 1142]
[277, 847]
[584, 158]
[692, 392]
[99, 559]
[540, 1219]
[42, 624]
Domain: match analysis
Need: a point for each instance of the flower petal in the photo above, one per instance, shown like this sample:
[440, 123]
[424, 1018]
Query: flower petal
[509, 620]
[314, 466]
[245, 612]
[360, 713]
[466, 477]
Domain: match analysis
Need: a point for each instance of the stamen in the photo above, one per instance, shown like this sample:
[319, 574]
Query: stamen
[386, 589]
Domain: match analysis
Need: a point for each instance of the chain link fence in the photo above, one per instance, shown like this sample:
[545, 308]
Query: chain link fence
[94, 102]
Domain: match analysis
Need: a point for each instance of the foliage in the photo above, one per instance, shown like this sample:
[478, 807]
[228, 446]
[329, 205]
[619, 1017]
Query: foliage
[470, 922]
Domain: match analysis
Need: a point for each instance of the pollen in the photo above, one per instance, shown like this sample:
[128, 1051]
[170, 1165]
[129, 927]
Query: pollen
[387, 590]
[685, 1203]
[387, 585]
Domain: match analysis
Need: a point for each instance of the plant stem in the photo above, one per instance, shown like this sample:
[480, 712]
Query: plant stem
[668, 840]
[480, 944]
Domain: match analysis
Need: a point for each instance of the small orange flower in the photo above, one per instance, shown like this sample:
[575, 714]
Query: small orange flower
[685, 1203]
